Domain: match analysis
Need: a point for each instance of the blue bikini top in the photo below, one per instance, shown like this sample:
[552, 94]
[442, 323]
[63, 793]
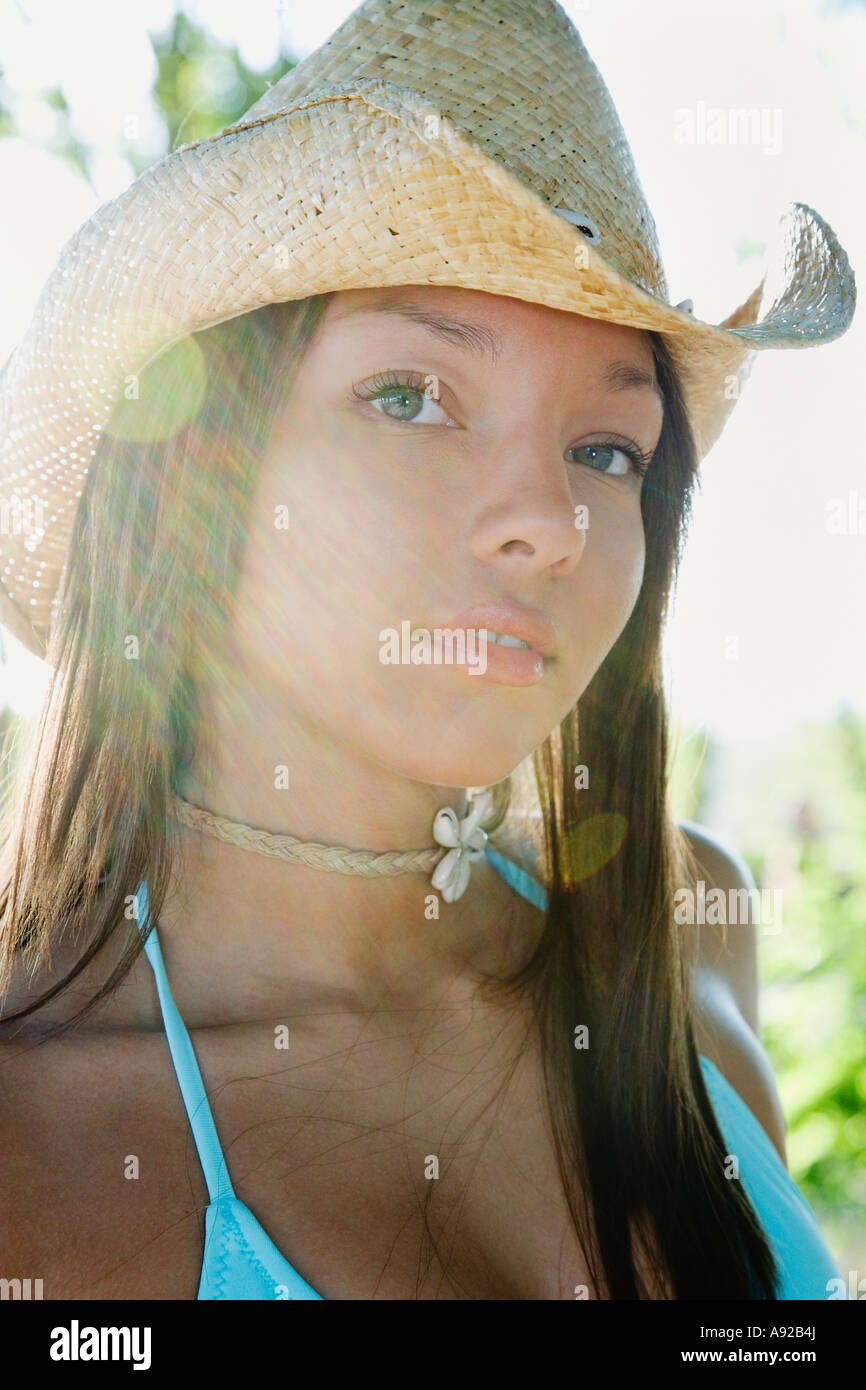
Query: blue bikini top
[240, 1260]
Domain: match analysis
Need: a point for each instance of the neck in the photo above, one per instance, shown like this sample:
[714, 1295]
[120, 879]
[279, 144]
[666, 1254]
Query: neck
[249, 935]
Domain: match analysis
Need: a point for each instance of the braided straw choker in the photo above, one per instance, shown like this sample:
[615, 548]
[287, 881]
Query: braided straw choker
[463, 842]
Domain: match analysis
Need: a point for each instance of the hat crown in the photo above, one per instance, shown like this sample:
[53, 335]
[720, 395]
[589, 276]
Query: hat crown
[536, 103]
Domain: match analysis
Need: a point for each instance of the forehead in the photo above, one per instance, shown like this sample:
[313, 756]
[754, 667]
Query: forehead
[505, 319]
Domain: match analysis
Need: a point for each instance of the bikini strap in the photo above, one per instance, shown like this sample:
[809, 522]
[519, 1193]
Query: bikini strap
[185, 1064]
[523, 883]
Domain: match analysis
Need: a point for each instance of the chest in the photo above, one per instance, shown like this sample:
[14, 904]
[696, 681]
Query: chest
[393, 1165]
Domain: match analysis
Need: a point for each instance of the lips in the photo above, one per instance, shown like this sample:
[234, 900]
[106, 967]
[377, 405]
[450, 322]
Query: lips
[529, 624]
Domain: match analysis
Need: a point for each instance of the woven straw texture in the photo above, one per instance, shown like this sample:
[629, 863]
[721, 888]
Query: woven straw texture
[367, 863]
[452, 142]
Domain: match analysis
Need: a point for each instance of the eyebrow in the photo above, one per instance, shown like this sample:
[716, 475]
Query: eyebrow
[627, 376]
[478, 338]
[461, 332]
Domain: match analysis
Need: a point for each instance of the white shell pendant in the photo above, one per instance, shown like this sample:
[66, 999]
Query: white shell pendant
[465, 842]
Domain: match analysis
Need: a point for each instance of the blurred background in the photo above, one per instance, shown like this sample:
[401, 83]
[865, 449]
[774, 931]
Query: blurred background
[765, 650]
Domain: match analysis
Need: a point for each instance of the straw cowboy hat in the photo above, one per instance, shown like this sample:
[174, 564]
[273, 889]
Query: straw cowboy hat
[435, 142]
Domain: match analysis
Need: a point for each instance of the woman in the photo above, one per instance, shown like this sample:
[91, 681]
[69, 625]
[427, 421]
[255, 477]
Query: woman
[422, 1070]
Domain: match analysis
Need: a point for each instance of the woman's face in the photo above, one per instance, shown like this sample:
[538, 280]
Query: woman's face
[463, 485]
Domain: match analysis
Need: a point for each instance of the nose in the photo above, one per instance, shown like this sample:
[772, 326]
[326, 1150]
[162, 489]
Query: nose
[531, 523]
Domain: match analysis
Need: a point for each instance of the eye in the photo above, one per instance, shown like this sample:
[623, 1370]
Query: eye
[409, 398]
[601, 454]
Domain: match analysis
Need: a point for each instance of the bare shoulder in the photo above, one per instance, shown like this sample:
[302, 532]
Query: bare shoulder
[723, 1036]
[725, 984]
[728, 951]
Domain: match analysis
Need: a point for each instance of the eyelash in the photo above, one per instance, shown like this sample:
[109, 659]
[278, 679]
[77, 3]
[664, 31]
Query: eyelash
[377, 385]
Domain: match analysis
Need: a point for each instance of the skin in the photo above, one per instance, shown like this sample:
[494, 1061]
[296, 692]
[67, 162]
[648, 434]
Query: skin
[391, 520]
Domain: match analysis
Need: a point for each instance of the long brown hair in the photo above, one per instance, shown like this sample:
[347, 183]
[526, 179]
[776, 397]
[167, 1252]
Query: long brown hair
[157, 541]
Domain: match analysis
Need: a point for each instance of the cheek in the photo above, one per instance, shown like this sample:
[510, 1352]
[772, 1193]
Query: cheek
[607, 583]
[615, 556]
[316, 595]
[630, 564]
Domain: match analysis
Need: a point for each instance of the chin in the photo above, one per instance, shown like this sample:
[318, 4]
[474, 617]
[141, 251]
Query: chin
[479, 766]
